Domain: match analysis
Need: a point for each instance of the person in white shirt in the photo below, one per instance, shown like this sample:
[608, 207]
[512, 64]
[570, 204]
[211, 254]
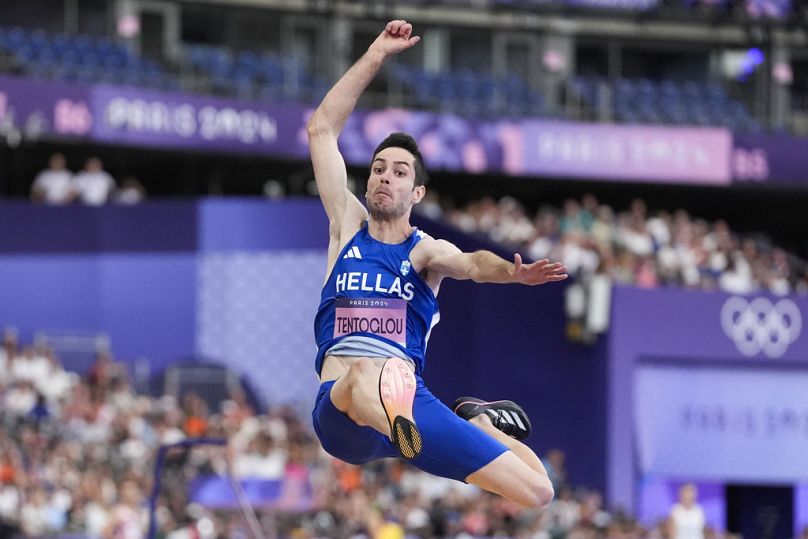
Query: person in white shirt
[93, 185]
[687, 516]
[54, 184]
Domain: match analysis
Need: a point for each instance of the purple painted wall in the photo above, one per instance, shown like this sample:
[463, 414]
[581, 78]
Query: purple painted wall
[693, 330]
[145, 302]
[255, 224]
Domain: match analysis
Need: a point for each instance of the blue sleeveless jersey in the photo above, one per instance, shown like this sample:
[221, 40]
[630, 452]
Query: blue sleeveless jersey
[374, 292]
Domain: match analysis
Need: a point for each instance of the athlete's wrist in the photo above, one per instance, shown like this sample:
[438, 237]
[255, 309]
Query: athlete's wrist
[376, 54]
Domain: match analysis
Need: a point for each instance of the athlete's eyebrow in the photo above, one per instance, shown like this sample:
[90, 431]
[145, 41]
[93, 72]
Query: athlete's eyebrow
[394, 162]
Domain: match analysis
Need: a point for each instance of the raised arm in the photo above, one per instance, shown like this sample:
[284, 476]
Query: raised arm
[444, 259]
[327, 122]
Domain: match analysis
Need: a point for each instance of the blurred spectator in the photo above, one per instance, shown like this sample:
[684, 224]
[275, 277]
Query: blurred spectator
[8, 352]
[430, 206]
[128, 517]
[274, 189]
[196, 415]
[687, 517]
[93, 185]
[555, 463]
[54, 185]
[131, 191]
[564, 511]
[104, 370]
[263, 459]
[381, 528]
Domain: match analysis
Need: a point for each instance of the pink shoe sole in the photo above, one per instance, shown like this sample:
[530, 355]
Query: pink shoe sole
[397, 393]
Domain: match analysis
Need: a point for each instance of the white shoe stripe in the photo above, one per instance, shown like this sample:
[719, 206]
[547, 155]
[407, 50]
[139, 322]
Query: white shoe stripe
[518, 421]
[507, 418]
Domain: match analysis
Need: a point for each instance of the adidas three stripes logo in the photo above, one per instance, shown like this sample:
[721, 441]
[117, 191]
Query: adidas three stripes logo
[353, 252]
[507, 416]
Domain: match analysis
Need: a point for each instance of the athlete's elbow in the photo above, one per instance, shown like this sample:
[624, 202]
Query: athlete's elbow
[545, 495]
[533, 492]
[541, 494]
[318, 125]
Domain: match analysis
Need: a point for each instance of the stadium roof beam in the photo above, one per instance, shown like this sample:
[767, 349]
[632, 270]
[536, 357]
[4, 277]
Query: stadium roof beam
[645, 26]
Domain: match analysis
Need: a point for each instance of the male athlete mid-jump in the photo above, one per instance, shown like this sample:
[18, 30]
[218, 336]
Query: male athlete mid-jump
[379, 305]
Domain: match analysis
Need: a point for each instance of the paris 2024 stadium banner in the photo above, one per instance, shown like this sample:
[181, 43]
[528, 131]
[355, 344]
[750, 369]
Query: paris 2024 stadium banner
[529, 147]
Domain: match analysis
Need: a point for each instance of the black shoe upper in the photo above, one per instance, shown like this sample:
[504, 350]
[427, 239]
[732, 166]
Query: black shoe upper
[506, 416]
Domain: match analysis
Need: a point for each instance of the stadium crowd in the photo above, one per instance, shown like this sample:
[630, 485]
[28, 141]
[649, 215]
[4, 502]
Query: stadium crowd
[635, 246]
[77, 456]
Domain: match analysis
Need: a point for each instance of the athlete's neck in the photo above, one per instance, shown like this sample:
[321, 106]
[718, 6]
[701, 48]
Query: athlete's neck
[390, 231]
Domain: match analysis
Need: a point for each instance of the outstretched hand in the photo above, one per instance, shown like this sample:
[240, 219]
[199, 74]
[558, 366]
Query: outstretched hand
[396, 37]
[539, 272]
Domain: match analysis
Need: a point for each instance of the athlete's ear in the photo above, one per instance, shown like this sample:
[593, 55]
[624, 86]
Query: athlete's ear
[418, 194]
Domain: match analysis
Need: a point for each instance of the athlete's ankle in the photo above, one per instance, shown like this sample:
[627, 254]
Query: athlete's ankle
[482, 420]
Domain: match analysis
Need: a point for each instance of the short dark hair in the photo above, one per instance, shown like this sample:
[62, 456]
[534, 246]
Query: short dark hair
[406, 142]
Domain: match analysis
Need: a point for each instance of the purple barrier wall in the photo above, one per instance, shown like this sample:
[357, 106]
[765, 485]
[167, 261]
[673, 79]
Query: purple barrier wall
[145, 302]
[149, 118]
[114, 268]
[725, 361]
[164, 226]
[255, 224]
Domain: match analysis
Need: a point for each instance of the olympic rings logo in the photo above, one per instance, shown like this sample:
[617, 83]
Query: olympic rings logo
[759, 325]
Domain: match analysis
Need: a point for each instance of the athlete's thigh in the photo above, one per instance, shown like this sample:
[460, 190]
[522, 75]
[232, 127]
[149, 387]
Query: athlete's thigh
[343, 438]
[452, 447]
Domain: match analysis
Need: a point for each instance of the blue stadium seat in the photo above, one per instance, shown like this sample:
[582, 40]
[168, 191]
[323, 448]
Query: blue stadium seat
[669, 88]
[16, 38]
[646, 87]
[668, 101]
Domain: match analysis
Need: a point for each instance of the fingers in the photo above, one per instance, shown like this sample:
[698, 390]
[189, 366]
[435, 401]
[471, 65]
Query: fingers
[556, 272]
[539, 265]
[540, 271]
[399, 28]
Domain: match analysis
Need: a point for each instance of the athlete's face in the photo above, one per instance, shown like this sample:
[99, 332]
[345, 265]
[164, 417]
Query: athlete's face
[391, 187]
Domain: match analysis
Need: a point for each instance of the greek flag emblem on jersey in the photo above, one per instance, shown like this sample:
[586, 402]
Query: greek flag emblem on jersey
[405, 267]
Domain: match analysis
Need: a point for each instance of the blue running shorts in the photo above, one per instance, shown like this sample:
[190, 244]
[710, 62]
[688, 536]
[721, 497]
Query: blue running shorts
[452, 447]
